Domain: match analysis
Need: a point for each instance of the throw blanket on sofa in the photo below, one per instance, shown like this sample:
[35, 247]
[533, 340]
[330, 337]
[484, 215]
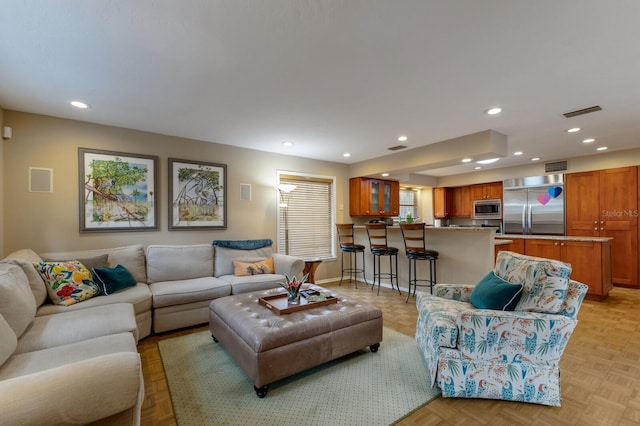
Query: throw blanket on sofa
[243, 244]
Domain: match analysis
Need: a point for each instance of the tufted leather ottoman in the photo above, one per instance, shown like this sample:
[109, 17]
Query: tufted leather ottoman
[269, 347]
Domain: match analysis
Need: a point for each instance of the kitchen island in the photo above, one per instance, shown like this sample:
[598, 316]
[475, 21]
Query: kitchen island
[465, 253]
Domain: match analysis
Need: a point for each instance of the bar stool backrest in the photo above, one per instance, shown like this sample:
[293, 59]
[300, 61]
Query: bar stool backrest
[377, 233]
[413, 235]
[345, 234]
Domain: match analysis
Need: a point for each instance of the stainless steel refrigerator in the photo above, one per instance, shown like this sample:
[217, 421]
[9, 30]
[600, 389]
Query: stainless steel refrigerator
[534, 205]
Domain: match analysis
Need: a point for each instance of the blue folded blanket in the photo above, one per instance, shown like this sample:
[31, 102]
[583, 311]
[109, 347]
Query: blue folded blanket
[243, 244]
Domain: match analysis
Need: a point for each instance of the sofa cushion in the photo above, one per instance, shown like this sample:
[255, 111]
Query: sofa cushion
[67, 282]
[139, 296]
[243, 269]
[17, 304]
[112, 280]
[60, 329]
[8, 341]
[101, 261]
[224, 258]
[131, 257]
[179, 292]
[493, 292]
[253, 282]
[25, 258]
[175, 262]
[36, 361]
[545, 281]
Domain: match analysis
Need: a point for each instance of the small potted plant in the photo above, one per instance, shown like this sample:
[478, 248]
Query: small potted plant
[293, 286]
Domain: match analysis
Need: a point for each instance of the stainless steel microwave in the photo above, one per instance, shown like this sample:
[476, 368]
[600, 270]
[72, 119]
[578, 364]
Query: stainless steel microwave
[487, 209]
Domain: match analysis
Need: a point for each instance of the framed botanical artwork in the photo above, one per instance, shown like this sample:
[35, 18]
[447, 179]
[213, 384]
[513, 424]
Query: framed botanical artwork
[198, 193]
[117, 191]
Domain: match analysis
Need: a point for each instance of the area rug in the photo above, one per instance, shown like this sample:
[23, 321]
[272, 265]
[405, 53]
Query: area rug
[364, 388]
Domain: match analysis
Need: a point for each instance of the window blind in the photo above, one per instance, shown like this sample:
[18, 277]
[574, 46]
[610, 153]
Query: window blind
[308, 216]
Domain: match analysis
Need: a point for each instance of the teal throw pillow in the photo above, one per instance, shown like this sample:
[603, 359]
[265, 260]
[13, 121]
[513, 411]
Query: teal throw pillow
[111, 280]
[492, 292]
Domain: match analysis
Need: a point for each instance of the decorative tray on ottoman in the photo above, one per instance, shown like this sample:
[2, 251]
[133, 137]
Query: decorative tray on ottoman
[309, 298]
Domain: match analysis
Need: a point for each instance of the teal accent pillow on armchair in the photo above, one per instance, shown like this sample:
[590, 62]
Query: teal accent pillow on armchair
[492, 292]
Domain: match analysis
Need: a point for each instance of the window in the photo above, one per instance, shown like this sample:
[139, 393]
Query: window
[408, 203]
[305, 215]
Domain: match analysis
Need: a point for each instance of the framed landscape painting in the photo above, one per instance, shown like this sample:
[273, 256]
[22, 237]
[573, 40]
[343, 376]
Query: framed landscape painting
[117, 191]
[198, 194]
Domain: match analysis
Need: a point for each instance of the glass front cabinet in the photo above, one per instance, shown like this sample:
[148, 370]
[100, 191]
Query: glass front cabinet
[373, 197]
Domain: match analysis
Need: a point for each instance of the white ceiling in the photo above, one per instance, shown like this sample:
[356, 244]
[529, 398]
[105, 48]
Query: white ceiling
[333, 76]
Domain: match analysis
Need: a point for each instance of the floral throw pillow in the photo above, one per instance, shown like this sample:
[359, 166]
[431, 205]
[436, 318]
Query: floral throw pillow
[67, 282]
[243, 269]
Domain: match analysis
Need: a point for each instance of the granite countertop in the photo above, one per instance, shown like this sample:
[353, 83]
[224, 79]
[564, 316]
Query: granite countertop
[554, 237]
[443, 228]
[501, 242]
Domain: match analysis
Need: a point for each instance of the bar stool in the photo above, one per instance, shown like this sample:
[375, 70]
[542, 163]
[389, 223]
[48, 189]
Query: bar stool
[347, 246]
[377, 233]
[415, 249]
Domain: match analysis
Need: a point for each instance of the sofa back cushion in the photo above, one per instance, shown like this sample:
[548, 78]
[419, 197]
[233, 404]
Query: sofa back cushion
[17, 304]
[25, 258]
[8, 340]
[131, 257]
[174, 262]
[545, 281]
[224, 258]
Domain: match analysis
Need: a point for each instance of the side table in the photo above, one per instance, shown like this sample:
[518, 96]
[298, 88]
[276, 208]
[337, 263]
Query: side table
[310, 266]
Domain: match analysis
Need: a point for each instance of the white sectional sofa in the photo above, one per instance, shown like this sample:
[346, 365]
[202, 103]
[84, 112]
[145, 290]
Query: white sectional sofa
[81, 359]
[185, 279]
[74, 367]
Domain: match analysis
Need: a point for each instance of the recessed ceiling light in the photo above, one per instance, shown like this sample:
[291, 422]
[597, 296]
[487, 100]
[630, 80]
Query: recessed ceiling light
[346, 154]
[402, 138]
[489, 161]
[602, 148]
[79, 104]
[477, 168]
[588, 140]
[287, 143]
[535, 159]
[573, 130]
[466, 160]
[493, 111]
[518, 153]
[385, 174]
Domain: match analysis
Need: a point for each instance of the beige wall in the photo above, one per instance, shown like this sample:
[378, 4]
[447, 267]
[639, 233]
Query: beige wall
[49, 222]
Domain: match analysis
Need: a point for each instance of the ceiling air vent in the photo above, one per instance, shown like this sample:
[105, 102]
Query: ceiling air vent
[397, 147]
[582, 111]
[558, 166]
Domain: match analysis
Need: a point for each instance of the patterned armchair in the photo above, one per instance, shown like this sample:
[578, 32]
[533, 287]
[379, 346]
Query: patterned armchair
[509, 355]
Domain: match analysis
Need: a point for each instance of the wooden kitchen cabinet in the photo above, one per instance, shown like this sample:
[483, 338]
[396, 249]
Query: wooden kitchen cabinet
[486, 191]
[604, 203]
[590, 261]
[460, 201]
[442, 202]
[373, 197]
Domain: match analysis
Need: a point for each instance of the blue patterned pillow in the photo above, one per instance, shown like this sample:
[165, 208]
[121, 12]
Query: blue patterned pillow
[493, 292]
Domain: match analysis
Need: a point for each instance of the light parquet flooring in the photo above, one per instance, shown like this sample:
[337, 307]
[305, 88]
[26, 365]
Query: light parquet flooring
[600, 369]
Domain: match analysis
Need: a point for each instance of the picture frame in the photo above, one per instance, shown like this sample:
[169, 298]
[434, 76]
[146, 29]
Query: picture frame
[117, 191]
[197, 195]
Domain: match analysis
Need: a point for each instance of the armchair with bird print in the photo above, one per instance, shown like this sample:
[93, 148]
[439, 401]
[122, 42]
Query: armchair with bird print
[512, 355]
